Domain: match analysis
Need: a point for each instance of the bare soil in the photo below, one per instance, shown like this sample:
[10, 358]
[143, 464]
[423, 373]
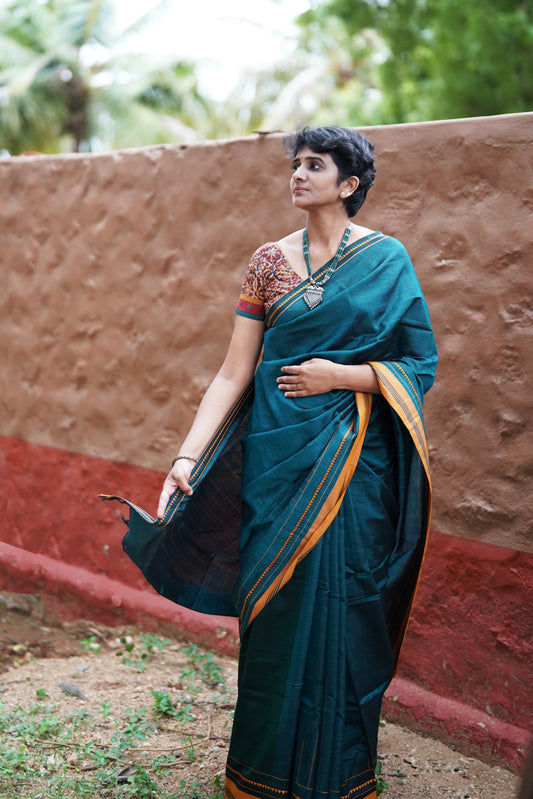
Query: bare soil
[37, 655]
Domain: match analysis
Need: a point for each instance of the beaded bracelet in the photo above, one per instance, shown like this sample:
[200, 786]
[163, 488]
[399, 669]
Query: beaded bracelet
[183, 457]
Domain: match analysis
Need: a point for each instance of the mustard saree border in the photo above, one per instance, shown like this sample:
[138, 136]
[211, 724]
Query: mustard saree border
[232, 790]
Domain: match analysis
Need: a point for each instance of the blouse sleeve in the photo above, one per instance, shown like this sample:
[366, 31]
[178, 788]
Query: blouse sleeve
[252, 298]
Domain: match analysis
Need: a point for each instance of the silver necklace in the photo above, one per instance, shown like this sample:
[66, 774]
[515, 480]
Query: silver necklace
[314, 293]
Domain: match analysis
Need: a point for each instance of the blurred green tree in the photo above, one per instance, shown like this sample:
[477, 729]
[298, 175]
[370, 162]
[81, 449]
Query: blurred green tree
[65, 85]
[331, 74]
[444, 58]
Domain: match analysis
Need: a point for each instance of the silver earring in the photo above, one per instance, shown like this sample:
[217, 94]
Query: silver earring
[343, 194]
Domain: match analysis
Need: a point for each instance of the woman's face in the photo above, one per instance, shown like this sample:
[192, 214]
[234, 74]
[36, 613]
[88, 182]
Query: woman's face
[314, 181]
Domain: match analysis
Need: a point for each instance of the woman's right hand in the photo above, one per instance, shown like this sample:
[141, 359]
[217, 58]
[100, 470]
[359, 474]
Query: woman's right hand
[178, 477]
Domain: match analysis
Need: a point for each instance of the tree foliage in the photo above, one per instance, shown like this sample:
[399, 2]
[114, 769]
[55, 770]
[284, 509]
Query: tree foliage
[347, 87]
[69, 81]
[446, 58]
[64, 84]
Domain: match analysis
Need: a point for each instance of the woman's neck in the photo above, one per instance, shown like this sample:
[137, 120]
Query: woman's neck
[325, 231]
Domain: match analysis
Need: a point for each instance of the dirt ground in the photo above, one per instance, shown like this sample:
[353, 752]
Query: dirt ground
[116, 671]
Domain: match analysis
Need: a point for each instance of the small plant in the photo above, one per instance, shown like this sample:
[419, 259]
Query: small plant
[191, 791]
[136, 727]
[106, 709]
[40, 693]
[201, 666]
[381, 785]
[190, 751]
[162, 762]
[152, 644]
[195, 790]
[143, 786]
[79, 718]
[148, 647]
[126, 653]
[91, 644]
[164, 705]
[219, 787]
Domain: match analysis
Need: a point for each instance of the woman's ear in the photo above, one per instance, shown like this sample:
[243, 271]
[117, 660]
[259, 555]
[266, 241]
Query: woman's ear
[350, 185]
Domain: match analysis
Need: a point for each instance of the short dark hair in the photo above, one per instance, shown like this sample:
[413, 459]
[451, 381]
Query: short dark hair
[352, 153]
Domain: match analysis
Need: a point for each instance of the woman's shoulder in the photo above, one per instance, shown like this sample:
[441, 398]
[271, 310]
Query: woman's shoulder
[394, 246]
[290, 246]
[360, 232]
[267, 251]
[292, 240]
[267, 255]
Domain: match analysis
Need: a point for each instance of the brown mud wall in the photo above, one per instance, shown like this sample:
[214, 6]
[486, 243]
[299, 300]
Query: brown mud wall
[120, 273]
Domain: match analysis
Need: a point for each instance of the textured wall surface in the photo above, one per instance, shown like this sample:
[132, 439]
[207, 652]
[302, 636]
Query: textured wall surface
[121, 271]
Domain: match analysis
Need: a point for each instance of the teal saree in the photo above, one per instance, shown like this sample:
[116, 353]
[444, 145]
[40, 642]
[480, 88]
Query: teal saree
[309, 521]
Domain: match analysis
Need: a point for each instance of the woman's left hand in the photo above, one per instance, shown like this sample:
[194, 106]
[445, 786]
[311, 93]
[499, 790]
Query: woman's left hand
[317, 376]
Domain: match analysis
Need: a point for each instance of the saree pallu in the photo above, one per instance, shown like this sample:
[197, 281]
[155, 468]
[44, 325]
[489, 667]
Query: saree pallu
[308, 520]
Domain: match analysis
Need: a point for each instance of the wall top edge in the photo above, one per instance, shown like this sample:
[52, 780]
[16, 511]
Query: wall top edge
[493, 119]
[467, 123]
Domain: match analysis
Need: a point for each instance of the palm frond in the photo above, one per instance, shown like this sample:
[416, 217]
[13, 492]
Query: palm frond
[147, 17]
[18, 81]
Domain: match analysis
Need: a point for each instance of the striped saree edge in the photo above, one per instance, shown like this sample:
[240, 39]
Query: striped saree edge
[144, 514]
[399, 398]
[328, 511]
[232, 791]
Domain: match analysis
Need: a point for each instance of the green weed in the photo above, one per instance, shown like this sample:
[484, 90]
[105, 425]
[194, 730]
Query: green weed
[91, 644]
[381, 785]
[164, 705]
[138, 657]
[196, 790]
[201, 667]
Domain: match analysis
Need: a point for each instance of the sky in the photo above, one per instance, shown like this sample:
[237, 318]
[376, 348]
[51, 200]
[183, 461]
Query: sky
[225, 36]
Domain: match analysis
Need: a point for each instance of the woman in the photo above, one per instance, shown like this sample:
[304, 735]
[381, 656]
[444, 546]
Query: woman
[317, 542]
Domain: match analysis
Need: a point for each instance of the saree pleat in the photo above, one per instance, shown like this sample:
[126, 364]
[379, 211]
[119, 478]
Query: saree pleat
[309, 520]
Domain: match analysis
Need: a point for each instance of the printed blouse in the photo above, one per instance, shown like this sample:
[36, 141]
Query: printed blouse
[267, 278]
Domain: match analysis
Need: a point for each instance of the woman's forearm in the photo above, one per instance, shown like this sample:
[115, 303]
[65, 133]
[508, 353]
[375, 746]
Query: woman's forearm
[356, 377]
[216, 403]
[320, 375]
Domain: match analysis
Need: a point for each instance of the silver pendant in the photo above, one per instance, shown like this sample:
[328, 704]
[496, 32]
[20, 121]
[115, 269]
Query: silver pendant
[313, 295]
